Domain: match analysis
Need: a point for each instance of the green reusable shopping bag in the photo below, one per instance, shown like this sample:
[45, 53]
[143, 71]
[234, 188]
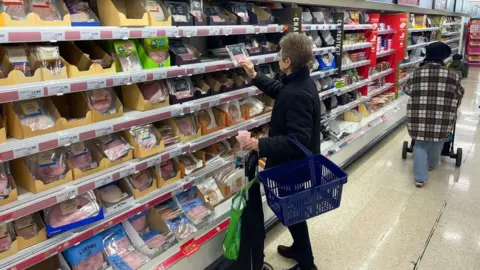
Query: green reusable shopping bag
[231, 242]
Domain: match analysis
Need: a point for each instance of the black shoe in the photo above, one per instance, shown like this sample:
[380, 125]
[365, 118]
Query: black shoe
[296, 267]
[287, 252]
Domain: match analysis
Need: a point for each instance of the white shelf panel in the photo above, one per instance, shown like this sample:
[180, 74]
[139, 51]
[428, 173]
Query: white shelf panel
[412, 63]
[320, 51]
[323, 73]
[426, 29]
[452, 23]
[451, 40]
[386, 31]
[357, 26]
[404, 79]
[341, 109]
[30, 203]
[357, 46]
[343, 90]
[448, 34]
[380, 90]
[53, 34]
[411, 47]
[385, 53]
[313, 27]
[356, 64]
[380, 74]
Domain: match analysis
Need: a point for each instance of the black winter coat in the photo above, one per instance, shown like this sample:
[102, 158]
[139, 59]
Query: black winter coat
[296, 114]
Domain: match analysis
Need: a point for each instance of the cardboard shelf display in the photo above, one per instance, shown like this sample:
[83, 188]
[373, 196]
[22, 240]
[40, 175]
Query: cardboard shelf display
[97, 157]
[220, 120]
[40, 237]
[141, 152]
[16, 76]
[161, 182]
[33, 19]
[98, 116]
[122, 13]
[78, 63]
[176, 132]
[133, 99]
[136, 193]
[12, 196]
[73, 109]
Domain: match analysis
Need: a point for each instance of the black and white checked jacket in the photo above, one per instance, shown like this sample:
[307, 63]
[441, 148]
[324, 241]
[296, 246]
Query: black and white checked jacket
[435, 94]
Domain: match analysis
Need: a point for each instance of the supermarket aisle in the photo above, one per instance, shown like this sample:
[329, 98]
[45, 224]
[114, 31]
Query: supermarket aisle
[385, 222]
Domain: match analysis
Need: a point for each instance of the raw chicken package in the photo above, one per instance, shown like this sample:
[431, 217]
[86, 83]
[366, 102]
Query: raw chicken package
[126, 52]
[175, 219]
[70, 214]
[145, 136]
[167, 135]
[34, 114]
[237, 52]
[167, 169]
[80, 156]
[181, 88]
[254, 106]
[81, 14]
[192, 206]
[186, 52]
[18, 57]
[113, 146]
[120, 252]
[6, 237]
[87, 255]
[143, 234]
[186, 125]
[155, 91]
[102, 100]
[16, 9]
[49, 57]
[232, 108]
[155, 10]
[190, 162]
[210, 191]
[142, 179]
[207, 117]
[48, 166]
[6, 180]
[47, 10]
[27, 227]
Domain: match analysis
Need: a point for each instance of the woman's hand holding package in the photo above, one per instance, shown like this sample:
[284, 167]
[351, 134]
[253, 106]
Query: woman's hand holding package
[251, 144]
[249, 68]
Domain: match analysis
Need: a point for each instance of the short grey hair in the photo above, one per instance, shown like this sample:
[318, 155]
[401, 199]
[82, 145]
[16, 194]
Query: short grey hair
[298, 47]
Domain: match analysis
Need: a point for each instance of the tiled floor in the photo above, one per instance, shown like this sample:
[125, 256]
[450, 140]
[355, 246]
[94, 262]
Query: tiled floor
[385, 222]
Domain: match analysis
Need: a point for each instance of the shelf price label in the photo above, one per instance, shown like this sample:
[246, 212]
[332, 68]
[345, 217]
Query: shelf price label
[67, 195]
[227, 31]
[172, 32]
[146, 33]
[105, 179]
[250, 29]
[4, 37]
[30, 93]
[96, 84]
[58, 89]
[214, 31]
[189, 32]
[154, 161]
[159, 75]
[25, 151]
[53, 36]
[68, 139]
[90, 35]
[128, 171]
[103, 131]
[199, 70]
[139, 78]
[120, 34]
[123, 80]
[260, 61]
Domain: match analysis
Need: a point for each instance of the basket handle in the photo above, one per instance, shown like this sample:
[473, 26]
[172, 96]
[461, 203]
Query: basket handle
[299, 145]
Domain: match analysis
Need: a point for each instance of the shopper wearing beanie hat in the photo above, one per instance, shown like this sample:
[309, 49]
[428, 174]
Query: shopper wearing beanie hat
[435, 94]
[459, 66]
[296, 114]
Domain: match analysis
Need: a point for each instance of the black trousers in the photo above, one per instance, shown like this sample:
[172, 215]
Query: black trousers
[301, 245]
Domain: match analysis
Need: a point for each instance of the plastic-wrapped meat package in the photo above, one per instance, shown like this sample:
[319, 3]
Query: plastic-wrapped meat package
[120, 252]
[113, 146]
[181, 88]
[144, 136]
[179, 11]
[254, 106]
[233, 109]
[155, 92]
[49, 57]
[223, 148]
[142, 180]
[158, 57]
[16, 9]
[80, 156]
[190, 162]
[207, 117]
[176, 221]
[152, 238]
[213, 14]
[102, 100]
[253, 46]
[139, 222]
[6, 237]
[48, 166]
[5, 180]
[154, 9]
[192, 206]
[196, 9]
[111, 194]
[185, 51]
[237, 52]
[210, 191]
[127, 55]
[80, 11]
[70, 211]
[18, 57]
[167, 135]
[87, 255]
[186, 125]
[167, 169]
[34, 114]
[26, 227]
[241, 10]
[47, 10]
[243, 137]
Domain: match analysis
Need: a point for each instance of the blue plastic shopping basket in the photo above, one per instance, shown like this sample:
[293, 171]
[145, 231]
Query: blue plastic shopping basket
[302, 189]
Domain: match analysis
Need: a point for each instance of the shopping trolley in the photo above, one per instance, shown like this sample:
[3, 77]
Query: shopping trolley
[302, 189]
[448, 148]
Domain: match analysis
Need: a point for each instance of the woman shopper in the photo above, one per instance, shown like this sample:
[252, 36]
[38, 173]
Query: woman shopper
[296, 114]
[435, 94]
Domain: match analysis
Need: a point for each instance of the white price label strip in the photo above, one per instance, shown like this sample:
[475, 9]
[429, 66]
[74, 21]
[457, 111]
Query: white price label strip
[97, 84]
[172, 32]
[139, 78]
[120, 34]
[178, 189]
[68, 139]
[129, 171]
[53, 36]
[158, 75]
[123, 80]
[250, 29]
[4, 37]
[149, 33]
[90, 35]
[199, 70]
[153, 162]
[59, 89]
[68, 194]
[103, 181]
[103, 131]
[227, 31]
[214, 31]
[29, 93]
[25, 151]
[189, 32]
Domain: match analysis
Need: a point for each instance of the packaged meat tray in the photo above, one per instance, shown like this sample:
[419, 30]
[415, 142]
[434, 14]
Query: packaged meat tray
[179, 11]
[157, 50]
[155, 10]
[87, 255]
[176, 221]
[206, 116]
[70, 214]
[196, 10]
[181, 88]
[26, 227]
[145, 136]
[18, 57]
[142, 180]
[7, 238]
[47, 10]
[48, 166]
[210, 191]
[168, 136]
[155, 91]
[232, 108]
[214, 15]
[223, 148]
[80, 156]
[185, 53]
[192, 206]
[81, 14]
[6, 181]
[16, 9]
[49, 57]
[127, 55]
[186, 125]
[167, 170]
[237, 52]
[34, 114]
[113, 146]
[102, 100]
[253, 105]
[190, 162]
[120, 252]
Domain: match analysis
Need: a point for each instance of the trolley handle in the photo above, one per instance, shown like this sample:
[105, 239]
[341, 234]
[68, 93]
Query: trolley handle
[310, 156]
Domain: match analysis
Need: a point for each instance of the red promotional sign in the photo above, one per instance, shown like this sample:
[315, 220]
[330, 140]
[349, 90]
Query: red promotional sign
[372, 36]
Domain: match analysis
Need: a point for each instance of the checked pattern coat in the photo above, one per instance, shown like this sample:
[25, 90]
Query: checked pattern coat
[435, 95]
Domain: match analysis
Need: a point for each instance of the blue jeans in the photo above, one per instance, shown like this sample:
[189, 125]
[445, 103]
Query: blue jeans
[425, 155]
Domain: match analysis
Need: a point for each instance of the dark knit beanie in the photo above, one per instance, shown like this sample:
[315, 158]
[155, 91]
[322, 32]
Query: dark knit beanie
[457, 57]
[437, 51]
